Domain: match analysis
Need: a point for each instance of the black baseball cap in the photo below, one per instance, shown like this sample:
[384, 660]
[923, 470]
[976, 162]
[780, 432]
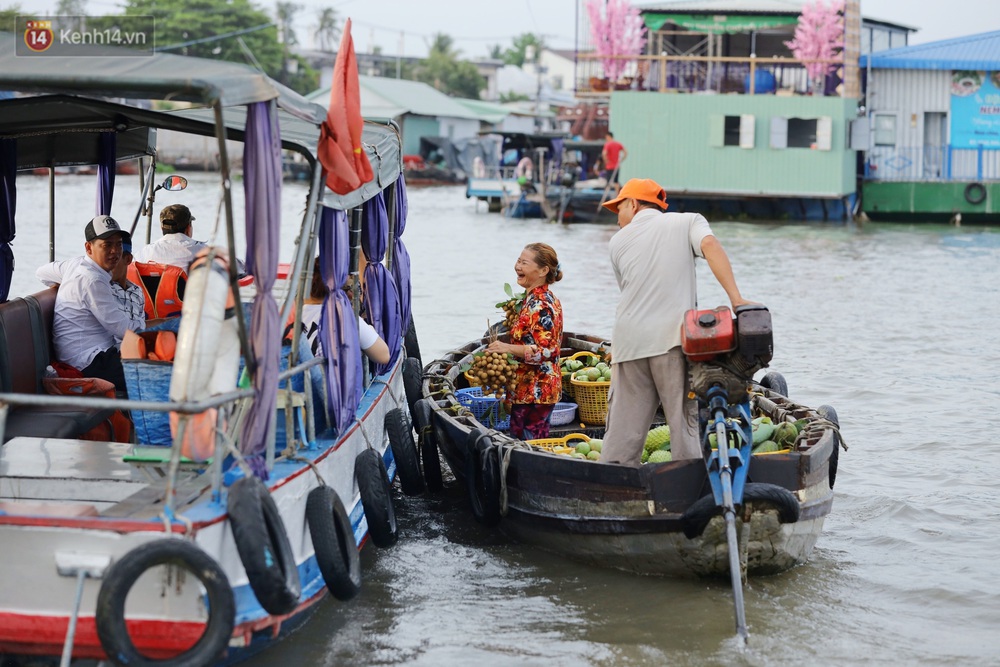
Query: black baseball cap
[104, 226]
[175, 217]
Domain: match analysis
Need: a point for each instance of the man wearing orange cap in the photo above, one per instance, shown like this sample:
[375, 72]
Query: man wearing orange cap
[653, 256]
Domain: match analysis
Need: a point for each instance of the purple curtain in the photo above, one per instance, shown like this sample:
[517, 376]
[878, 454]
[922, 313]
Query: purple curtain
[400, 256]
[106, 153]
[8, 204]
[381, 295]
[262, 186]
[338, 325]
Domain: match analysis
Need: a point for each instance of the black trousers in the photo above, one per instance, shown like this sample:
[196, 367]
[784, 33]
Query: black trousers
[107, 365]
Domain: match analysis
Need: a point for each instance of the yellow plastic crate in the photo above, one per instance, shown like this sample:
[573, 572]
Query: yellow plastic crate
[592, 399]
[560, 445]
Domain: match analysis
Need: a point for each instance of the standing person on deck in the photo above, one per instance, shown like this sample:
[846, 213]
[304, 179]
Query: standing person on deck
[612, 156]
[653, 256]
[535, 341]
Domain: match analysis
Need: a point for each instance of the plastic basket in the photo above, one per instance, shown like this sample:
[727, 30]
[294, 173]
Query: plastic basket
[562, 413]
[149, 381]
[473, 381]
[567, 386]
[592, 399]
[487, 409]
[560, 445]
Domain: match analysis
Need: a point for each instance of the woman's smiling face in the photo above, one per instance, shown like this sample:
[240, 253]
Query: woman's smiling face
[529, 273]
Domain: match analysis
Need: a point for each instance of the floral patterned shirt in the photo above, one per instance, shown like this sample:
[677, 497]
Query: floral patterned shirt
[539, 326]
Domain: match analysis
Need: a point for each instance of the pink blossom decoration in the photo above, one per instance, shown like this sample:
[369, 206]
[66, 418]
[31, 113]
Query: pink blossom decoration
[819, 35]
[618, 31]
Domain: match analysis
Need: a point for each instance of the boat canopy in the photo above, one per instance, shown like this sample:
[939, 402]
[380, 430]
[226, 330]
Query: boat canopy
[157, 76]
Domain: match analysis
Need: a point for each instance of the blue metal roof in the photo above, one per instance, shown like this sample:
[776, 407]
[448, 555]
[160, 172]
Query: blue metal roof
[974, 52]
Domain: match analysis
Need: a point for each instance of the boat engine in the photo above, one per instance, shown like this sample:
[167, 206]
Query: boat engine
[726, 351]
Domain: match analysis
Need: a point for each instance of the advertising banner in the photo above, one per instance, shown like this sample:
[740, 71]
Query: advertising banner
[975, 109]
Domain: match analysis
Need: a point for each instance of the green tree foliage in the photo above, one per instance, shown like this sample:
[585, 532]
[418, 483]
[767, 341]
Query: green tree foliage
[182, 21]
[328, 31]
[7, 17]
[515, 54]
[443, 70]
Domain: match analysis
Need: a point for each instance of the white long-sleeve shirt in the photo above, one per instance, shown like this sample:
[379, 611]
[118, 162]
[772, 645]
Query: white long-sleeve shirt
[88, 318]
[130, 299]
[177, 249]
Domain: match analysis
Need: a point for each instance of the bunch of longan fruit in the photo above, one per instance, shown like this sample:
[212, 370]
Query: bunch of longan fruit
[494, 371]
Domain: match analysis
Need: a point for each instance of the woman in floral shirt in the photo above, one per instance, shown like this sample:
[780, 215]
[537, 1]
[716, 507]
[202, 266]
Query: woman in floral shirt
[535, 341]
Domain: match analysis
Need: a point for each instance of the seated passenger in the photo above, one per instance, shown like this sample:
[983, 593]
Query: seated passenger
[129, 295]
[89, 322]
[371, 344]
[176, 247]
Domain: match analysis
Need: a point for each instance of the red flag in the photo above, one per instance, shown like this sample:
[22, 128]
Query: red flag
[340, 151]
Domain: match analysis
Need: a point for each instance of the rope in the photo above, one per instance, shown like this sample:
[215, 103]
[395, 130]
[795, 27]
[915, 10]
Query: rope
[311, 465]
[785, 412]
[361, 427]
[386, 385]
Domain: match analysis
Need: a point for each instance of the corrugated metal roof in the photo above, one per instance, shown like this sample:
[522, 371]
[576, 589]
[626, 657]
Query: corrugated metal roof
[722, 6]
[486, 111]
[779, 7]
[973, 52]
[382, 97]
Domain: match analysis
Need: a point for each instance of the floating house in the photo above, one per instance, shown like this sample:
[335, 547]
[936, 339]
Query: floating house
[718, 110]
[934, 131]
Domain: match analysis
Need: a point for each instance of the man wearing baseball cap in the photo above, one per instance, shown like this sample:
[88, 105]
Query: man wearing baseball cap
[175, 247]
[89, 320]
[653, 256]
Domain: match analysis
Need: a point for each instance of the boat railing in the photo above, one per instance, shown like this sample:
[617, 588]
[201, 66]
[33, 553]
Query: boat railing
[701, 74]
[932, 163]
[182, 407]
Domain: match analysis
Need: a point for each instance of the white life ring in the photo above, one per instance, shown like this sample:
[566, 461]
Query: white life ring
[208, 352]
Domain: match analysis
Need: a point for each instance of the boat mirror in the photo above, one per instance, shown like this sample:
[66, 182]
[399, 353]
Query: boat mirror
[174, 183]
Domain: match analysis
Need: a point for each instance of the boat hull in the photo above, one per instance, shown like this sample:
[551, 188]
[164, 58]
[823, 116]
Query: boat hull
[634, 519]
[109, 509]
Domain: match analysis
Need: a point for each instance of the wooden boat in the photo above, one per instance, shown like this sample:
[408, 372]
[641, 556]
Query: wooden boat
[654, 519]
[221, 553]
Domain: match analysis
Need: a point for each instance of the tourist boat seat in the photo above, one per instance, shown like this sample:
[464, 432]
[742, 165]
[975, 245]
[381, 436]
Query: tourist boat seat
[162, 285]
[25, 351]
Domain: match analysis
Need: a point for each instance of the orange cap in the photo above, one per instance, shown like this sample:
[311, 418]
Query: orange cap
[643, 189]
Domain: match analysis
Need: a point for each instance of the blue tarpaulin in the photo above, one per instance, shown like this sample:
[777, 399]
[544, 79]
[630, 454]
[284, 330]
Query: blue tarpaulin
[8, 205]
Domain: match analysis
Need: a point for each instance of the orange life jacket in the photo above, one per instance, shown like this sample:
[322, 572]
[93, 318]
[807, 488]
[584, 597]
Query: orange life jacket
[162, 285]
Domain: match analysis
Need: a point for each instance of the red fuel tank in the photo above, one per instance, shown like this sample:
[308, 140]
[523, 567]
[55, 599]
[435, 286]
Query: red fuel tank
[707, 333]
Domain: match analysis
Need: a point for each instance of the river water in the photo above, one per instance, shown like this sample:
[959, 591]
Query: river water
[894, 325]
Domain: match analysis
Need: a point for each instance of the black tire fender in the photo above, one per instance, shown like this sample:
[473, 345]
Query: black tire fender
[263, 546]
[975, 193]
[334, 543]
[413, 378]
[827, 412]
[430, 458]
[775, 381]
[404, 451]
[122, 575]
[376, 498]
[697, 516]
[482, 477]
[411, 343]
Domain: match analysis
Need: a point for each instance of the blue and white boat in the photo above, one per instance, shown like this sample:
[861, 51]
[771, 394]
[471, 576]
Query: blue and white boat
[129, 551]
